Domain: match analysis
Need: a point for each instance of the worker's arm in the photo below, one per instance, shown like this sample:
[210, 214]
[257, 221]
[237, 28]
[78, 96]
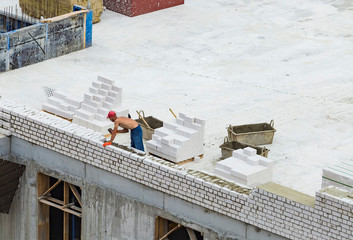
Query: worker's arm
[123, 131]
[114, 131]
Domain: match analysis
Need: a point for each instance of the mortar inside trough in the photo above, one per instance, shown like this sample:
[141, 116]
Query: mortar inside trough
[154, 123]
[252, 128]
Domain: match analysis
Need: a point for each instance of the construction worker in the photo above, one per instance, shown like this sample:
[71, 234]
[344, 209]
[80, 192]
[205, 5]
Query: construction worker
[127, 124]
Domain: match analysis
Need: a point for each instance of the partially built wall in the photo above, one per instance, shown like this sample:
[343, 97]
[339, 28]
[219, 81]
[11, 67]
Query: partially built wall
[125, 191]
[42, 41]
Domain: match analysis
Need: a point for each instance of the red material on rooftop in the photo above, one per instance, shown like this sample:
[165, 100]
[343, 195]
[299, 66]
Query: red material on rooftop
[133, 8]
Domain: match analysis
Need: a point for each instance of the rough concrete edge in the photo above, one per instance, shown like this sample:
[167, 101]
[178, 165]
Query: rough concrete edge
[337, 193]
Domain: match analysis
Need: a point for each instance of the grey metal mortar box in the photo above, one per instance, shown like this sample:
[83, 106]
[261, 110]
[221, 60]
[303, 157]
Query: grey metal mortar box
[255, 134]
[228, 147]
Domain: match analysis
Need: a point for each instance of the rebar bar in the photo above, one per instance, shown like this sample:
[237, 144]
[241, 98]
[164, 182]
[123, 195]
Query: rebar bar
[15, 17]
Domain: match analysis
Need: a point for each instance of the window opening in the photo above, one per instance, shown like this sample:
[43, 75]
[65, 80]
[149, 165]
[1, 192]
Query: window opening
[168, 230]
[60, 209]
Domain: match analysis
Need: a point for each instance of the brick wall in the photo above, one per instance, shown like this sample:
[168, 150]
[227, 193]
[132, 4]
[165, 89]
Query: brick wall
[328, 217]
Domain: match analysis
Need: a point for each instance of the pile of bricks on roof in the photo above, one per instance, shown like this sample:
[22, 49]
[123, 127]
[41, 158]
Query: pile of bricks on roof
[91, 112]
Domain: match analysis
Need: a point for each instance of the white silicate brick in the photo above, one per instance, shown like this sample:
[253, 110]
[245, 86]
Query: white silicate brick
[239, 154]
[105, 80]
[121, 112]
[74, 101]
[59, 94]
[170, 125]
[96, 84]
[200, 121]
[103, 111]
[93, 90]
[116, 89]
[84, 114]
[89, 108]
[167, 140]
[185, 131]
[54, 101]
[188, 119]
[88, 97]
[162, 132]
[106, 87]
[179, 121]
[103, 92]
[113, 94]
[156, 138]
[108, 105]
[249, 151]
[99, 98]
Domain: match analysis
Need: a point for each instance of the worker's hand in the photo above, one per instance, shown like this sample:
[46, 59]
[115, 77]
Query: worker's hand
[106, 144]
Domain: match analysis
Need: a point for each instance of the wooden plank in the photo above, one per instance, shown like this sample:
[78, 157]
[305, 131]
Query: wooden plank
[161, 227]
[185, 161]
[76, 193]
[66, 223]
[84, 31]
[156, 228]
[61, 17]
[61, 203]
[52, 187]
[43, 210]
[166, 235]
[60, 207]
[191, 234]
[67, 119]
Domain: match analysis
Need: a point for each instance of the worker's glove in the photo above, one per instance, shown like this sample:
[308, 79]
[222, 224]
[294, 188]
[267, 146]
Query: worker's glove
[106, 144]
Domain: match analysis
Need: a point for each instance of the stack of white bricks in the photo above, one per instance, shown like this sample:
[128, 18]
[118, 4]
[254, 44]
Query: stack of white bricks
[62, 105]
[339, 175]
[329, 217]
[103, 96]
[246, 167]
[178, 140]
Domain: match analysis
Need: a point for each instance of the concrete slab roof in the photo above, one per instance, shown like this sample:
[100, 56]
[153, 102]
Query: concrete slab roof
[227, 62]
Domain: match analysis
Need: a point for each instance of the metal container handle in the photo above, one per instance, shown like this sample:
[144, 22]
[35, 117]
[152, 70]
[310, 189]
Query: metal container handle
[143, 114]
[272, 123]
[226, 139]
[230, 129]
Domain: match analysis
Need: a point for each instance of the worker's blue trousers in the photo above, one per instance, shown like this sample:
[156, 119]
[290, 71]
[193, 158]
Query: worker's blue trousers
[136, 138]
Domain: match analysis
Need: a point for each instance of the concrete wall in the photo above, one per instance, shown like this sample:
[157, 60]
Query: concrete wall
[233, 207]
[3, 52]
[113, 206]
[40, 42]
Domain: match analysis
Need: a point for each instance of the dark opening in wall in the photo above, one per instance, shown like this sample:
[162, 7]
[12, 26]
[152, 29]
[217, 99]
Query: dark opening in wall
[11, 18]
[59, 209]
[169, 230]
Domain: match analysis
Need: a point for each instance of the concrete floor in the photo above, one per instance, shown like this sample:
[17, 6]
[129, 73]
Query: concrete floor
[229, 62]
